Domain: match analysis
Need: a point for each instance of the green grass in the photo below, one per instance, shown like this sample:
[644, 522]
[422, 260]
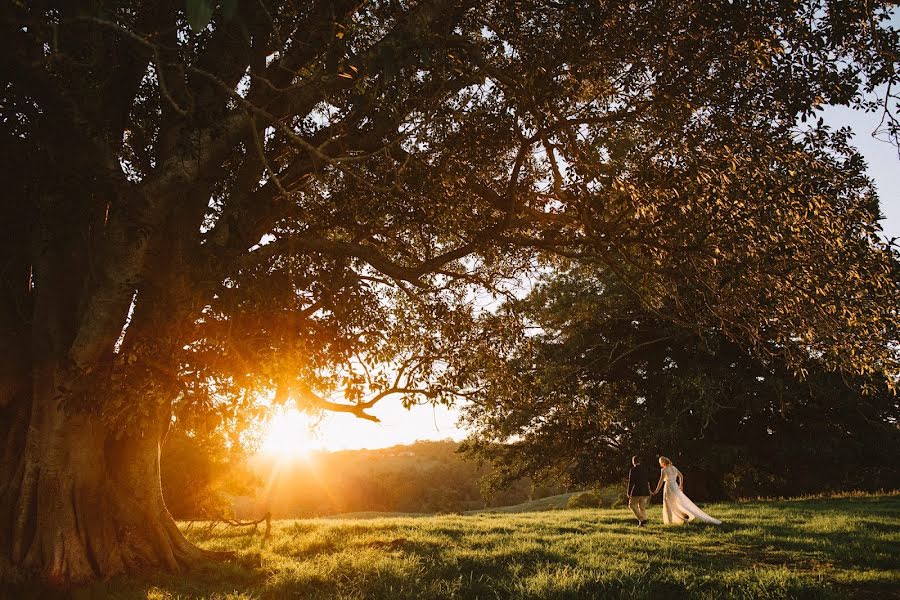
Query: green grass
[811, 548]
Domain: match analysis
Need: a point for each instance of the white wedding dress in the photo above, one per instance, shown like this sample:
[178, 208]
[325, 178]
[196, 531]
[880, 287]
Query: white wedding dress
[678, 508]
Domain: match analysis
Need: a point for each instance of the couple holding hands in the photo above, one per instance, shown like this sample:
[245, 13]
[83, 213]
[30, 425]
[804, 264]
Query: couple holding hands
[677, 508]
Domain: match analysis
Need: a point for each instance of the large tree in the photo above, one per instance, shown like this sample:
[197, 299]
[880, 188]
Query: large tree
[588, 376]
[207, 202]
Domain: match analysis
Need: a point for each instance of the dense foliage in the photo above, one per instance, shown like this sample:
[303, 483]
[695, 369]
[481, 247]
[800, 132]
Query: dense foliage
[598, 376]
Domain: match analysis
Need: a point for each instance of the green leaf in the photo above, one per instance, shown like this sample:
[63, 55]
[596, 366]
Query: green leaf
[199, 13]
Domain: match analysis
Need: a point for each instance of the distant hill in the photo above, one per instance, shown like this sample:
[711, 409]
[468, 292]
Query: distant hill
[611, 496]
[425, 477]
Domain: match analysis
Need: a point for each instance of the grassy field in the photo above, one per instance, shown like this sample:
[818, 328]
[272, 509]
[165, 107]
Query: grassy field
[815, 548]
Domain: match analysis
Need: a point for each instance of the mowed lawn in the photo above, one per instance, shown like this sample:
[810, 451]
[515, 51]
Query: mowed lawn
[815, 548]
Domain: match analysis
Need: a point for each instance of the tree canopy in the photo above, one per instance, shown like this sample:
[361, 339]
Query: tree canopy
[208, 203]
[581, 375]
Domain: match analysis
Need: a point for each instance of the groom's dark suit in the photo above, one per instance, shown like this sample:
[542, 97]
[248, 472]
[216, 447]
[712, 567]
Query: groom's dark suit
[639, 481]
[639, 487]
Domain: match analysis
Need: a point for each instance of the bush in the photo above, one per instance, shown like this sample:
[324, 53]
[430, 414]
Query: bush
[620, 501]
[585, 500]
[200, 475]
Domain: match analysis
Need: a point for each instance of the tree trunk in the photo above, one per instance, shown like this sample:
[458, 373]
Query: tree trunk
[83, 503]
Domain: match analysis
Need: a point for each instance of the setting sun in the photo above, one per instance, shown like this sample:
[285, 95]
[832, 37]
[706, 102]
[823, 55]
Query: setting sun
[288, 435]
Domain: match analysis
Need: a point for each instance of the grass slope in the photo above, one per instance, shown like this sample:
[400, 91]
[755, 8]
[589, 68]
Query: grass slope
[549, 503]
[814, 548]
[609, 495]
[557, 502]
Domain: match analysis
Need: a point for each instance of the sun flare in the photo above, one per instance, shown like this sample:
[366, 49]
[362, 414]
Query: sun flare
[287, 435]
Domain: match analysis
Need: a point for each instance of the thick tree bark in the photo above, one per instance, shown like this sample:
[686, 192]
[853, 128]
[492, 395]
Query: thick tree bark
[82, 502]
[82, 498]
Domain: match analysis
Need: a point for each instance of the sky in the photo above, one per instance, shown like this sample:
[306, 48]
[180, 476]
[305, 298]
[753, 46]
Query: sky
[341, 431]
[400, 426]
[882, 158]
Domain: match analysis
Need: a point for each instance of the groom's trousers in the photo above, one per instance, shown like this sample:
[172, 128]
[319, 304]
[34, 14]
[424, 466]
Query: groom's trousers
[638, 505]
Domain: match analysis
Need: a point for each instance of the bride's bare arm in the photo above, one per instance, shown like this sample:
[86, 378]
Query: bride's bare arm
[680, 479]
[658, 485]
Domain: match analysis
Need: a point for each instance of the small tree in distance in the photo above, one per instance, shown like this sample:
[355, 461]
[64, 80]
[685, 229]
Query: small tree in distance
[585, 500]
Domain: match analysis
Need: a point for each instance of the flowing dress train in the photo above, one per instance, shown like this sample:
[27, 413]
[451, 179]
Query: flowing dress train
[678, 508]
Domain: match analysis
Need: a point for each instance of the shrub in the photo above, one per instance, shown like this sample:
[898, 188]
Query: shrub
[620, 501]
[585, 500]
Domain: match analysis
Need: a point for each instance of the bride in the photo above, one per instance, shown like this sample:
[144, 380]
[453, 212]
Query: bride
[677, 508]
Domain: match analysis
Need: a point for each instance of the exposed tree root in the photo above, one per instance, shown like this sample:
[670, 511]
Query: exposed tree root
[218, 519]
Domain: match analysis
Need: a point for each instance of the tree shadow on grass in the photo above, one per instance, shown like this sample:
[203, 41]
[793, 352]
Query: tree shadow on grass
[203, 582]
[804, 552]
[444, 573]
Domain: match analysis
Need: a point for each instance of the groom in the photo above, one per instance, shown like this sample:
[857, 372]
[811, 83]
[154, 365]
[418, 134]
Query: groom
[639, 490]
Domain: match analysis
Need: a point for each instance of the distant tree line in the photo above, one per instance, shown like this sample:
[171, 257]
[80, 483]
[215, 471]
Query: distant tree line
[202, 480]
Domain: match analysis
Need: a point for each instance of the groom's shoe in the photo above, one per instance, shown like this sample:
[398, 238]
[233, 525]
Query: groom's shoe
[641, 523]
